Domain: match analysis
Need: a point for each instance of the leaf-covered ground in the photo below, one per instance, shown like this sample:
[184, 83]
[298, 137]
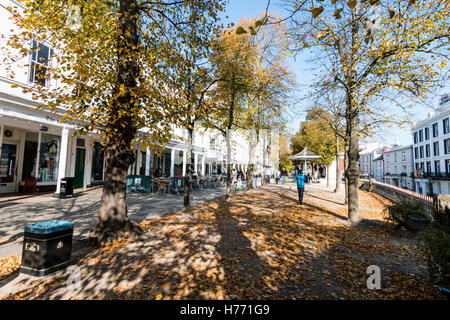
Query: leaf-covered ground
[259, 245]
[8, 265]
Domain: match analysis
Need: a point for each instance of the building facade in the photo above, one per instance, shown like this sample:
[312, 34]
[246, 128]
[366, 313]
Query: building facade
[368, 153]
[35, 146]
[398, 166]
[431, 151]
[378, 165]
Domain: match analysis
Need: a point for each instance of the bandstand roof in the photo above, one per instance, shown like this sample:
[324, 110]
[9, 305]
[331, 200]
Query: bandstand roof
[305, 154]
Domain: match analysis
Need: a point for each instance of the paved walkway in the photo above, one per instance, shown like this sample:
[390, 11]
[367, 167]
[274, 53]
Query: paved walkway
[82, 210]
[258, 245]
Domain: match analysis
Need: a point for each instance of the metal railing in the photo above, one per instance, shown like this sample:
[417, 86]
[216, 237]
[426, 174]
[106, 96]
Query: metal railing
[393, 193]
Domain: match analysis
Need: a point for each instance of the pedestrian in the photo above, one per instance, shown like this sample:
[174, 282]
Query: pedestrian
[300, 186]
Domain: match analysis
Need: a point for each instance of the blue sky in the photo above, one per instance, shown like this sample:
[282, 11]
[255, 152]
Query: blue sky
[237, 9]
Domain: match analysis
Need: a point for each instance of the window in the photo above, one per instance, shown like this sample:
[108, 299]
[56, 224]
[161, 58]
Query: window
[403, 156]
[199, 163]
[80, 142]
[420, 135]
[437, 167]
[447, 146]
[435, 130]
[436, 148]
[421, 151]
[416, 153]
[427, 133]
[446, 126]
[429, 166]
[97, 162]
[403, 169]
[212, 144]
[417, 166]
[447, 166]
[8, 154]
[395, 157]
[178, 163]
[427, 150]
[40, 57]
[415, 137]
[48, 157]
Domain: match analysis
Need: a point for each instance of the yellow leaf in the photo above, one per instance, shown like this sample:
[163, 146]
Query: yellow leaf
[351, 4]
[316, 11]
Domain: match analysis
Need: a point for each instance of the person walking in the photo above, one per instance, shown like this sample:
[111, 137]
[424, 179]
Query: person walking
[300, 186]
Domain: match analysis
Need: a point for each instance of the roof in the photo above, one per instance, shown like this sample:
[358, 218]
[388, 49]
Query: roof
[379, 158]
[305, 154]
[398, 147]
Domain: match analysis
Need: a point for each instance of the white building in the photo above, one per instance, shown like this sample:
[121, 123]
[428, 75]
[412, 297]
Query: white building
[398, 166]
[431, 151]
[378, 165]
[368, 153]
[36, 147]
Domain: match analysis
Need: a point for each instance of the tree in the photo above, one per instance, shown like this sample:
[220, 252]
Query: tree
[271, 87]
[329, 110]
[370, 58]
[316, 135]
[285, 152]
[191, 81]
[109, 66]
[233, 58]
[330, 107]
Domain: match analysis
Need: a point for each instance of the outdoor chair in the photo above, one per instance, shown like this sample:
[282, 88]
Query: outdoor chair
[163, 185]
[214, 182]
[202, 182]
[155, 184]
[196, 184]
[177, 184]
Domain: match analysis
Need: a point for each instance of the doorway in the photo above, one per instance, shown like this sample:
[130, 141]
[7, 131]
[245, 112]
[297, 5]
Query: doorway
[79, 168]
[8, 167]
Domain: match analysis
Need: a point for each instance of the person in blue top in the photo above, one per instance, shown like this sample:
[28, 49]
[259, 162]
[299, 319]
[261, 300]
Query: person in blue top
[300, 185]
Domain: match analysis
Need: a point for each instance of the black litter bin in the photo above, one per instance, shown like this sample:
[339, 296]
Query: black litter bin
[66, 188]
[47, 247]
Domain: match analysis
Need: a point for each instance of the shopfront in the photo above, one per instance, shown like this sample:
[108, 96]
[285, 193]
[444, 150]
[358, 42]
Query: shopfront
[8, 161]
[27, 154]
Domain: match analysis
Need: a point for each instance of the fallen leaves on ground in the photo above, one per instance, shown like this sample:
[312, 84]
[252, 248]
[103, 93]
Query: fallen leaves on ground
[258, 245]
[8, 265]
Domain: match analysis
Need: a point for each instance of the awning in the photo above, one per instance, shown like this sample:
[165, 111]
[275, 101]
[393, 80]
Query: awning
[305, 155]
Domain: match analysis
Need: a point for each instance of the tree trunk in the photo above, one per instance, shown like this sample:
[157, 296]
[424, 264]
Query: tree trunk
[113, 215]
[338, 168]
[328, 176]
[345, 170]
[251, 162]
[263, 180]
[228, 134]
[228, 143]
[187, 181]
[352, 172]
